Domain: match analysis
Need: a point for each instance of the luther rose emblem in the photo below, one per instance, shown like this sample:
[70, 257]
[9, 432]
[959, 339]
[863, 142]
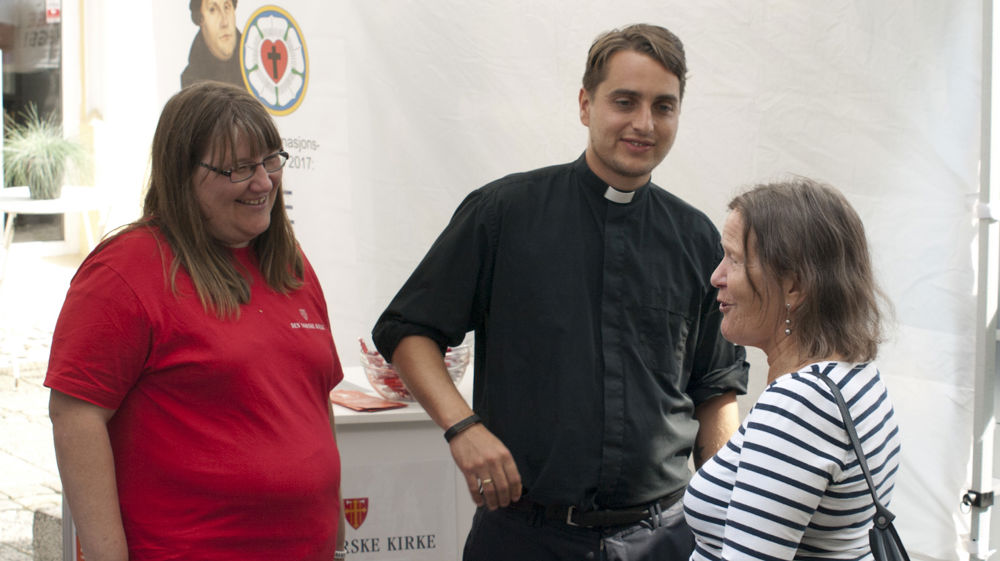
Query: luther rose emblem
[274, 60]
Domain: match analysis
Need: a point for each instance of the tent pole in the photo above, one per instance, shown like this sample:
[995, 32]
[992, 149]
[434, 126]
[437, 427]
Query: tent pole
[980, 496]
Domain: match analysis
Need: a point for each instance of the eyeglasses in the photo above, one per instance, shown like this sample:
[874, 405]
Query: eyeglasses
[242, 172]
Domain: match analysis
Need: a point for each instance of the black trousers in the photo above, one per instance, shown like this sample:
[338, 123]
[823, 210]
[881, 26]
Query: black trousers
[515, 535]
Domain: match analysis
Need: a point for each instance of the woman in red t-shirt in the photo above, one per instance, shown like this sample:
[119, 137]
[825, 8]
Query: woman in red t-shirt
[192, 361]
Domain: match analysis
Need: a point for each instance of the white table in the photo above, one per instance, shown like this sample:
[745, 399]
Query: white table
[16, 200]
[406, 438]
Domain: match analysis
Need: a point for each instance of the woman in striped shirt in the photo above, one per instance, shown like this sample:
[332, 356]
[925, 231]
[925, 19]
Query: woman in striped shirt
[796, 281]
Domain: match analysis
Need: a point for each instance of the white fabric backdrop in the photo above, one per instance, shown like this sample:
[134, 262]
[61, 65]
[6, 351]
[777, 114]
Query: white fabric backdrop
[417, 103]
[878, 98]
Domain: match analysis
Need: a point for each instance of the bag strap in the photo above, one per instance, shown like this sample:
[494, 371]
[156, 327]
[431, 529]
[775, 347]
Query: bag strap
[882, 517]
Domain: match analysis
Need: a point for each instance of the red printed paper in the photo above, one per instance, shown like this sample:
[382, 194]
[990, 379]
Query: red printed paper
[360, 401]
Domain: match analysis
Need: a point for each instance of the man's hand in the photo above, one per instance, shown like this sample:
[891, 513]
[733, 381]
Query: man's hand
[483, 459]
[489, 469]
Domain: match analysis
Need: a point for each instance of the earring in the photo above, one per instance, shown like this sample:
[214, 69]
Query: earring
[788, 322]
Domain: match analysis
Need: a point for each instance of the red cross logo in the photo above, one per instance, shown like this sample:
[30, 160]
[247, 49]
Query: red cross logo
[355, 511]
[274, 55]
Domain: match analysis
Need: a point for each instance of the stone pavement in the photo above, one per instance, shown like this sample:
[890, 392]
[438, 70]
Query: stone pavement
[31, 294]
[29, 481]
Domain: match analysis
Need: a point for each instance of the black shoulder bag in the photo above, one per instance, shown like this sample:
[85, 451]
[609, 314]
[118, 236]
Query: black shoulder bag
[885, 542]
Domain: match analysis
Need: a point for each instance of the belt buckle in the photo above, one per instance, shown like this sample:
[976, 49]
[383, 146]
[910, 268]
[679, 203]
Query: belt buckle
[569, 516]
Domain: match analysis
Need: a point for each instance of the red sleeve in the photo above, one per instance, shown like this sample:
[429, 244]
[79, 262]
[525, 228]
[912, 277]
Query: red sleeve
[101, 339]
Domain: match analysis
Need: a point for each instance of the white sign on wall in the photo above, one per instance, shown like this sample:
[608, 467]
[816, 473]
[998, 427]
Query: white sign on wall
[400, 511]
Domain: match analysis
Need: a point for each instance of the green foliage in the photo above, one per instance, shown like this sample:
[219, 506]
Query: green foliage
[36, 154]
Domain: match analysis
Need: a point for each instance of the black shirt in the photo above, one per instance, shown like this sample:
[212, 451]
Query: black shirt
[597, 331]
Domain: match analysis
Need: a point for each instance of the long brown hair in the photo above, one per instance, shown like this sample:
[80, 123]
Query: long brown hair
[214, 116]
[808, 231]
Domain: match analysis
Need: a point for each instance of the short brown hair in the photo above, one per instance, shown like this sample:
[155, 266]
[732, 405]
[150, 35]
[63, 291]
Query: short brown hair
[807, 230]
[653, 40]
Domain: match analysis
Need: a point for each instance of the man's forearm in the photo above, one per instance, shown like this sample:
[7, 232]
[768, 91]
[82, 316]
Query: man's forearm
[718, 419]
[419, 362]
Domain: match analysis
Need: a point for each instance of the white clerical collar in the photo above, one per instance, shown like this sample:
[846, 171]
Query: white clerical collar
[620, 197]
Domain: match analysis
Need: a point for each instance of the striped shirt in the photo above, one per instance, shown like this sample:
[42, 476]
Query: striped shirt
[788, 484]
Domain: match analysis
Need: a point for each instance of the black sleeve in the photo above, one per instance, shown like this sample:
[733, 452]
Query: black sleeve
[718, 366]
[447, 295]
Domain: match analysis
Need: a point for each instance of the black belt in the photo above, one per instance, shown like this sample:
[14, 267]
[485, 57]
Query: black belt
[599, 518]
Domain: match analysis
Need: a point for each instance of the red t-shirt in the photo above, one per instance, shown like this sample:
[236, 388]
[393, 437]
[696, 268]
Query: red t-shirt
[221, 439]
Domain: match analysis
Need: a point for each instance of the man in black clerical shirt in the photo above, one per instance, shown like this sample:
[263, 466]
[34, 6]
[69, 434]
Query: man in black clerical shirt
[599, 366]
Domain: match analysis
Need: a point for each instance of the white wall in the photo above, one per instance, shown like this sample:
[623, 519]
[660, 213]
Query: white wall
[120, 97]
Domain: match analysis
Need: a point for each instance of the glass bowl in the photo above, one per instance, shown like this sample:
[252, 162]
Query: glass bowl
[386, 381]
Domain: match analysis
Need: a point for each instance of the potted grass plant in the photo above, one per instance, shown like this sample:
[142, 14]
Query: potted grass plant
[37, 154]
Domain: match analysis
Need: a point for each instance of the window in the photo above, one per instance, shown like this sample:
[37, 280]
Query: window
[31, 39]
